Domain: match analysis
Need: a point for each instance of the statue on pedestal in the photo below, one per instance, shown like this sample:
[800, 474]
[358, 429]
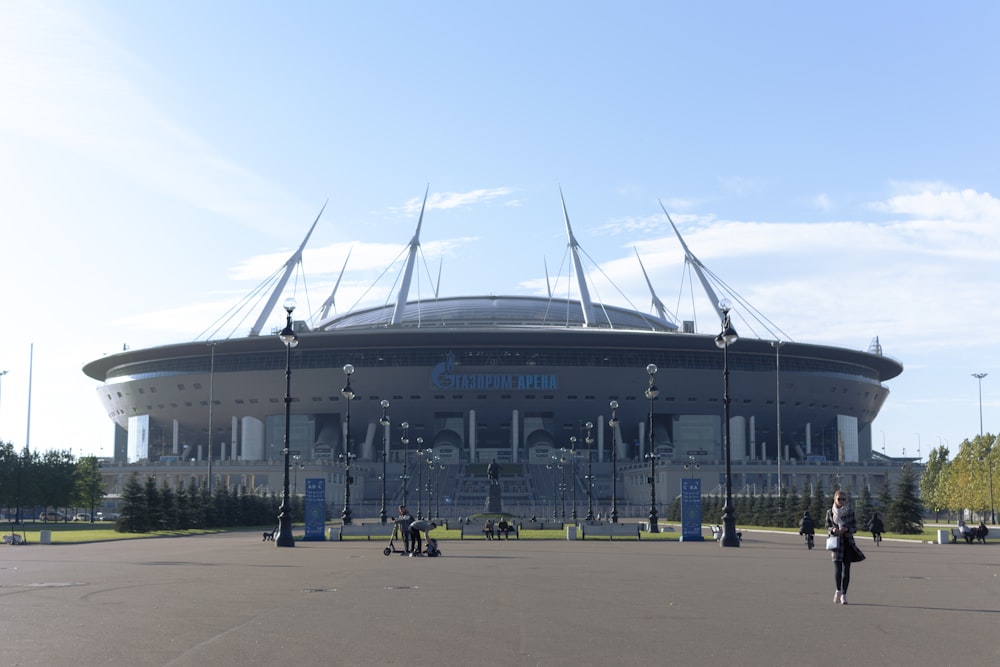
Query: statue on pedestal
[493, 472]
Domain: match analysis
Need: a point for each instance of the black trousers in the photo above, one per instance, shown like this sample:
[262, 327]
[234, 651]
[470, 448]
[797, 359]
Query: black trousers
[842, 574]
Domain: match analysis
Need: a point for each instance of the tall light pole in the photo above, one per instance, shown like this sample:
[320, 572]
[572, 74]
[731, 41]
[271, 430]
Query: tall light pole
[652, 392]
[562, 484]
[348, 393]
[405, 439]
[211, 395]
[613, 425]
[420, 478]
[2, 373]
[290, 340]
[384, 422]
[979, 377]
[438, 467]
[590, 471]
[727, 337]
[572, 459]
[555, 488]
[776, 344]
[430, 470]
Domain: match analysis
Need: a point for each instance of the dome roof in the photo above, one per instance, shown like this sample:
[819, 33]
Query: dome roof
[499, 311]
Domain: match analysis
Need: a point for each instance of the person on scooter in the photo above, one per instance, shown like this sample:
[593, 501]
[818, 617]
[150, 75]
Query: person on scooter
[807, 527]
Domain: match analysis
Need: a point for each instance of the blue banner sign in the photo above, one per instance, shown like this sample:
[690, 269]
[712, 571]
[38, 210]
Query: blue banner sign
[691, 510]
[316, 509]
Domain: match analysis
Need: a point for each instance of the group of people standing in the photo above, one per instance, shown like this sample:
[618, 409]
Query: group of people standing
[413, 531]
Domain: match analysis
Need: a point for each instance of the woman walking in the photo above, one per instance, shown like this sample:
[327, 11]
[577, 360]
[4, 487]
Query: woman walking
[841, 523]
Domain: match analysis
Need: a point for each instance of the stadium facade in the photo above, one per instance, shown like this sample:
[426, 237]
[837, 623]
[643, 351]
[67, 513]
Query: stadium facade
[514, 379]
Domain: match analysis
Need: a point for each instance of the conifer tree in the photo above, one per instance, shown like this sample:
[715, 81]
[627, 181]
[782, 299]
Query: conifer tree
[905, 513]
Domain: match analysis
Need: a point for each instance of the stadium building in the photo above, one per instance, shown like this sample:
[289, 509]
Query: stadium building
[514, 379]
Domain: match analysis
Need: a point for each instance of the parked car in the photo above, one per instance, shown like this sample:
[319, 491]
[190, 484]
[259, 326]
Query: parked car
[82, 516]
[52, 516]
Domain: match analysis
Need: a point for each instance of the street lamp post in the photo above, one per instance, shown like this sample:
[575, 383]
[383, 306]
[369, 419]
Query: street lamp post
[348, 393]
[572, 459]
[652, 392]
[590, 471]
[555, 490]
[727, 337]
[979, 377]
[384, 422]
[430, 479]
[405, 439]
[420, 479]
[290, 340]
[2, 373]
[437, 484]
[562, 484]
[613, 425]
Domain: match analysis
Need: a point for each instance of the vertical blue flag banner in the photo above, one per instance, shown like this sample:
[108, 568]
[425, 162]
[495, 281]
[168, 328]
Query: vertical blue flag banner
[691, 511]
[316, 509]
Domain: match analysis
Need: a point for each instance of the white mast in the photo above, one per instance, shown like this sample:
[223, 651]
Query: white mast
[279, 288]
[411, 260]
[581, 278]
[698, 266]
[661, 310]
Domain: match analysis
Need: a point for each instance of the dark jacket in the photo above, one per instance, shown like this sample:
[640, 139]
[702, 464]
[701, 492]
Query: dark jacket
[807, 526]
[846, 540]
[876, 525]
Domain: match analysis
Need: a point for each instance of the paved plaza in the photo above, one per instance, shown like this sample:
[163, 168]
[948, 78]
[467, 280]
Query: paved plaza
[233, 600]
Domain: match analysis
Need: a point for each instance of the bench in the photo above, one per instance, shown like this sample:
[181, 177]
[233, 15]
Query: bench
[476, 530]
[544, 525]
[610, 530]
[368, 530]
[969, 537]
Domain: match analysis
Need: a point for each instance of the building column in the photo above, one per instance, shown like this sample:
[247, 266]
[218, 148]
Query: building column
[233, 439]
[515, 434]
[600, 438]
[472, 436]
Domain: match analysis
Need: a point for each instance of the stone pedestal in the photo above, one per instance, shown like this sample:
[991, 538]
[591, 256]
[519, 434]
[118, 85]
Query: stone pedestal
[493, 500]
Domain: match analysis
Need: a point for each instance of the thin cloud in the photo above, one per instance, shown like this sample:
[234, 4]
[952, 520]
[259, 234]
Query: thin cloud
[450, 200]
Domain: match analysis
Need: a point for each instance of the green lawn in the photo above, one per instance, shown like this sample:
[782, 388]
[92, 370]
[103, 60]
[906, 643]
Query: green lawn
[73, 533]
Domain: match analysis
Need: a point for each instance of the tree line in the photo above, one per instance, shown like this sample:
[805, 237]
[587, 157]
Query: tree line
[963, 484]
[53, 480]
[901, 511]
[146, 507]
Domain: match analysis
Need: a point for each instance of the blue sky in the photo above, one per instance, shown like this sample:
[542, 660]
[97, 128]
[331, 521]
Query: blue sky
[836, 164]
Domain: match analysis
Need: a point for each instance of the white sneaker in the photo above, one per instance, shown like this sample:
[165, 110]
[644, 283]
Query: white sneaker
[837, 598]
[843, 598]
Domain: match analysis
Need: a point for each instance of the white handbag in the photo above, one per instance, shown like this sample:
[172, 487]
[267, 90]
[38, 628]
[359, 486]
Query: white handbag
[832, 543]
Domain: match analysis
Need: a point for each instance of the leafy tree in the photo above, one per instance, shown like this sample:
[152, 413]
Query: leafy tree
[967, 478]
[904, 515]
[932, 489]
[88, 490]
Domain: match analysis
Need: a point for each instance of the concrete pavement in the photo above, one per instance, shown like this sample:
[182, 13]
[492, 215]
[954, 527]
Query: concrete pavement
[234, 600]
